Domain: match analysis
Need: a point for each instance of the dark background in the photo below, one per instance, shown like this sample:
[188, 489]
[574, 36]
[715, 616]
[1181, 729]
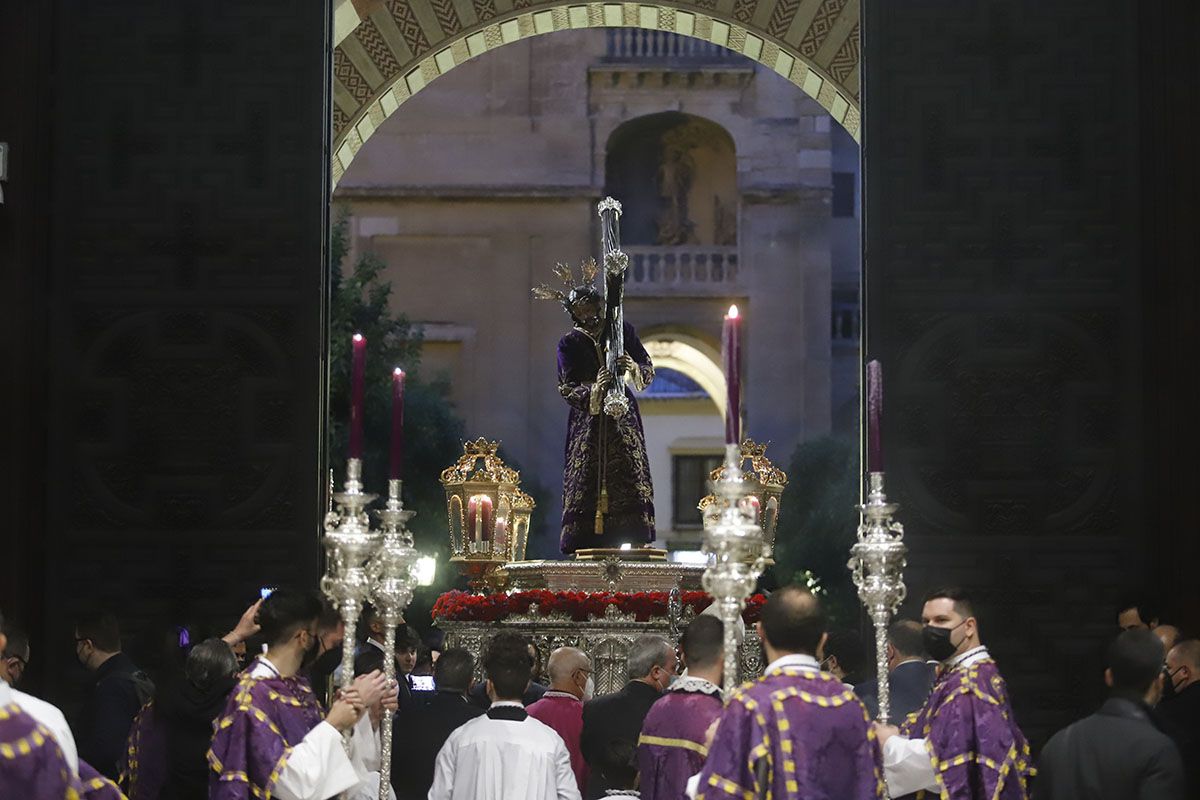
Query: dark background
[1031, 215]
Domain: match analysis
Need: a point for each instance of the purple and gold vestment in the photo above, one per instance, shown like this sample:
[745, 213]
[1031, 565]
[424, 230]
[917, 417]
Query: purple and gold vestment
[974, 744]
[31, 762]
[795, 733]
[671, 748]
[263, 720]
[144, 772]
[96, 786]
[630, 516]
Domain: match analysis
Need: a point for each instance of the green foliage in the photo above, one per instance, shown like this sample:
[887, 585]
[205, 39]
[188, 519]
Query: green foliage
[433, 431]
[818, 520]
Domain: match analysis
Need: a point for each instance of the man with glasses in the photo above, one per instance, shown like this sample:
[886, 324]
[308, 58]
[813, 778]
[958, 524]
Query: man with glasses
[571, 685]
[15, 657]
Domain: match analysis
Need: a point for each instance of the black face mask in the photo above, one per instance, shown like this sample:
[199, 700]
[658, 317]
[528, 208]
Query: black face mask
[1168, 688]
[937, 641]
[310, 656]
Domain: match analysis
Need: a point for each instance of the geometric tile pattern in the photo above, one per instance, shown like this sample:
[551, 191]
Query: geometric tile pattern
[820, 58]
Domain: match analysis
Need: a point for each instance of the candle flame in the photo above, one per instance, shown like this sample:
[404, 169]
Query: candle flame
[358, 337]
[733, 312]
[399, 373]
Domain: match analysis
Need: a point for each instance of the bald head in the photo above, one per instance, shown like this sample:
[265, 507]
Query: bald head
[792, 621]
[1169, 635]
[1183, 664]
[568, 669]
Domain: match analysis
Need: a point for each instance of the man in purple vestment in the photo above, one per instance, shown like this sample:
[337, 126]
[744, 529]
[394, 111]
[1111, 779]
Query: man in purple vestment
[672, 746]
[964, 743]
[608, 498]
[31, 762]
[571, 685]
[796, 732]
[271, 739]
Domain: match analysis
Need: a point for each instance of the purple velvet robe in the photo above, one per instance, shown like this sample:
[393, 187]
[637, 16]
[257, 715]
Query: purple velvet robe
[622, 443]
[31, 762]
[977, 750]
[671, 748]
[95, 786]
[263, 720]
[794, 733]
[144, 772]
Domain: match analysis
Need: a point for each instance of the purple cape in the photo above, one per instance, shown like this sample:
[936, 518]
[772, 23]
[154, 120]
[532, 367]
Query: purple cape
[144, 773]
[622, 442]
[263, 720]
[793, 733]
[96, 786]
[671, 748]
[977, 750]
[31, 762]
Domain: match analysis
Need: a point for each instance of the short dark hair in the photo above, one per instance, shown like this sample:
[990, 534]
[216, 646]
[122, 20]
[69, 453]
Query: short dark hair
[847, 647]
[507, 665]
[964, 606]
[329, 617]
[905, 636]
[703, 641]
[101, 627]
[1146, 606]
[285, 612]
[792, 620]
[209, 662]
[618, 763]
[454, 669]
[18, 642]
[407, 638]
[1135, 659]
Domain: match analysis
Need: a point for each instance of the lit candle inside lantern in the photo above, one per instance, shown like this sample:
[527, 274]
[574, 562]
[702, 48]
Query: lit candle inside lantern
[874, 417]
[358, 365]
[397, 459]
[479, 516]
[731, 347]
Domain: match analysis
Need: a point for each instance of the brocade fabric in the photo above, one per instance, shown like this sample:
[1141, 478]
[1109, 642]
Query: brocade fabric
[974, 744]
[593, 435]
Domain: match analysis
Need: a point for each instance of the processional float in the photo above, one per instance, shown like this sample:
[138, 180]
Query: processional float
[365, 565]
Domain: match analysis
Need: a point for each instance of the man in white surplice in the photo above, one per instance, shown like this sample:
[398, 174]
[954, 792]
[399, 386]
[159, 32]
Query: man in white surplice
[271, 740]
[506, 753]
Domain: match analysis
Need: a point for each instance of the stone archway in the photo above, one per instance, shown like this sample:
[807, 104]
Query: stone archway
[387, 50]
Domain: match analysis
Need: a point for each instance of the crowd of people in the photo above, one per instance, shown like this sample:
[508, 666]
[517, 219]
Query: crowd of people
[229, 727]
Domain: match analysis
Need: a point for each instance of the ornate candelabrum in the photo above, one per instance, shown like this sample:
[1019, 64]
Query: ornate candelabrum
[877, 566]
[394, 573]
[349, 544]
[734, 541]
[764, 483]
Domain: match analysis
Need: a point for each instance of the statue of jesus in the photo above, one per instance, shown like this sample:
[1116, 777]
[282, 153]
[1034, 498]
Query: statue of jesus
[608, 499]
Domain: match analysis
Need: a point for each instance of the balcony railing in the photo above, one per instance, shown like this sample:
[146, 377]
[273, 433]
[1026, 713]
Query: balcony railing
[627, 45]
[683, 271]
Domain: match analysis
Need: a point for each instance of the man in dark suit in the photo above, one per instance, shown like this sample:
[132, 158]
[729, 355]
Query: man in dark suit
[419, 732]
[1118, 753]
[618, 717]
[371, 654]
[1180, 713]
[533, 692]
[910, 675]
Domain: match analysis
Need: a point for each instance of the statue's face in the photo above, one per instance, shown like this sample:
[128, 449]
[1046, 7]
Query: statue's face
[588, 314]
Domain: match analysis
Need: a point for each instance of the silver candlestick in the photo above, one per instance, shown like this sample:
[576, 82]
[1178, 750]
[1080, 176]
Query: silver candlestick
[349, 544]
[734, 542]
[394, 570]
[877, 565]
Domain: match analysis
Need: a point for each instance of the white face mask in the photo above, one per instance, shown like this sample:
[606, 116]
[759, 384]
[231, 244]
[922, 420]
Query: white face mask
[589, 689]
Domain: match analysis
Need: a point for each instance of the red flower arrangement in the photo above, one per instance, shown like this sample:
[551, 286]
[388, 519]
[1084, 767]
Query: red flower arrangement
[458, 606]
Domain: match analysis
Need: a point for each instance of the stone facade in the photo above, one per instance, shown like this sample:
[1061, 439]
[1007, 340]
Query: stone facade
[491, 175]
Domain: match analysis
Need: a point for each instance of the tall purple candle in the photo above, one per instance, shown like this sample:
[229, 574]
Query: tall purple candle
[874, 417]
[358, 363]
[397, 459]
[731, 345]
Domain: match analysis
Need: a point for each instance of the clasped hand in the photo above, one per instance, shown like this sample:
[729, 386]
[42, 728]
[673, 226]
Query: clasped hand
[604, 378]
[368, 692]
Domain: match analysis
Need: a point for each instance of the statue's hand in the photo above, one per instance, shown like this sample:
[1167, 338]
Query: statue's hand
[626, 363]
[604, 379]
